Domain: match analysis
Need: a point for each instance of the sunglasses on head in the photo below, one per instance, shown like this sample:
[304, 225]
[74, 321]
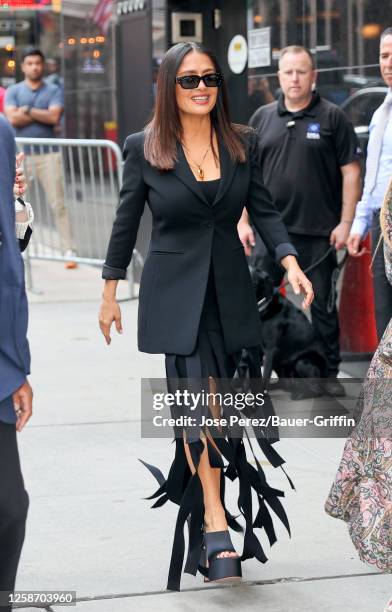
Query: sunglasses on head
[192, 81]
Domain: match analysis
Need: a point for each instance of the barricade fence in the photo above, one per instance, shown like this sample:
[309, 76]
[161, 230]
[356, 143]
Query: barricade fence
[73, 186]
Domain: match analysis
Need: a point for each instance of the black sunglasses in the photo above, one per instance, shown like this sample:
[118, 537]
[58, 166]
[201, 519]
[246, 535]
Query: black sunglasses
[192, 81]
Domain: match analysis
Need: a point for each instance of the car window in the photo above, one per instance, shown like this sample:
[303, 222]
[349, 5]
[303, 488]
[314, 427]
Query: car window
[361, 108]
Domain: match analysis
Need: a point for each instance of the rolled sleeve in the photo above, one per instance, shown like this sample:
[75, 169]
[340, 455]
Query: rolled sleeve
[284, 249]
[109, 273]
[360, 227]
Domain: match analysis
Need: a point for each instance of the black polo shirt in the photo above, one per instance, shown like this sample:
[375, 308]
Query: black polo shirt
[301, 155]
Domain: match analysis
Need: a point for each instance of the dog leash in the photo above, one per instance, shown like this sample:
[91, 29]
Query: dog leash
[334, 277]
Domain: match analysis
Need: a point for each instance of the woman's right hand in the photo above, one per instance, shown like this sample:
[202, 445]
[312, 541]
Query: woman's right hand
[109, 312]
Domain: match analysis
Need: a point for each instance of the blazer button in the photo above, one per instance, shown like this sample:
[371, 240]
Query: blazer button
[209, 224]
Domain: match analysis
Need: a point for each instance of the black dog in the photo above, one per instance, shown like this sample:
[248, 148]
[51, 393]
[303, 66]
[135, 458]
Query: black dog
[289, 344]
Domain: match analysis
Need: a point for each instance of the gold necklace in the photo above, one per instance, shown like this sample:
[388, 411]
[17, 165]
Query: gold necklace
[199, 169]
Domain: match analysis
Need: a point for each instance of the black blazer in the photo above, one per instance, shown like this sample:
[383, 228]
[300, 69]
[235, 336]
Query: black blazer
[187, 235]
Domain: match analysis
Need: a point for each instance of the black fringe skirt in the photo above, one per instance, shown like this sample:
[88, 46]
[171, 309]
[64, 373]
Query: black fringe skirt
[239, 372]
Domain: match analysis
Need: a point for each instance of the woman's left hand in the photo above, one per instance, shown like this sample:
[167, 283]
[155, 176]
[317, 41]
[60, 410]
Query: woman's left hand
[300, 283]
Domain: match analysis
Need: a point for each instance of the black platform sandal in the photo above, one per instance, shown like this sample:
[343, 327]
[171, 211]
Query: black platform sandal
[219, 569]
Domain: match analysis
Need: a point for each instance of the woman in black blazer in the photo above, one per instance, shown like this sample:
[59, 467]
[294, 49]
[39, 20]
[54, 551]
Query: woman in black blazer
[197, 171]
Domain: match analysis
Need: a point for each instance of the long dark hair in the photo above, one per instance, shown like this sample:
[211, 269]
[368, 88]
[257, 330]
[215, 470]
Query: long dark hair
[164, 130]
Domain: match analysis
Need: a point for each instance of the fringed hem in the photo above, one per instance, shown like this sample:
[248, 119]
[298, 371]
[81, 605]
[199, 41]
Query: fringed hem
[185, 489]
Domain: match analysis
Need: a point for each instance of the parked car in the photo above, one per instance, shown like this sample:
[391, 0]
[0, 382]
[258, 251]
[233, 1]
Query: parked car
[361, 105]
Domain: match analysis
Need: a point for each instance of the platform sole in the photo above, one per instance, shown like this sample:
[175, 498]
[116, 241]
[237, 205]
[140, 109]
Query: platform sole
[227, 580]
[224, 569]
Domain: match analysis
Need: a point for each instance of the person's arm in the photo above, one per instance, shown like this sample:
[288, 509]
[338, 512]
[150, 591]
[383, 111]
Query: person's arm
[361, 225]
[49, 116]
[348, 153]
[268, 222]
[55, 110]
[20, 179]
[123, 236]
[298, 280]
[15, 113]
[110, 310]
[17, 116]
[351, 190]
[363, 212]
[24, 214]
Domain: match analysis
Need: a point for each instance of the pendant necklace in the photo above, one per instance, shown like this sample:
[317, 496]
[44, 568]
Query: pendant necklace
[199, 169]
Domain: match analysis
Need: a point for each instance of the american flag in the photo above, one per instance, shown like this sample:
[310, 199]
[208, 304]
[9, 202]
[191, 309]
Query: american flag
[102, 14]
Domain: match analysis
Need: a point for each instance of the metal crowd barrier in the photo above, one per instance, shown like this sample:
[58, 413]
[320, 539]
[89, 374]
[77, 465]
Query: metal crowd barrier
[73, 186]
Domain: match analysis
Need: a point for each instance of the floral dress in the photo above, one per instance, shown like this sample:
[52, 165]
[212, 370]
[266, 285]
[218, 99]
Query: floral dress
[361, 494]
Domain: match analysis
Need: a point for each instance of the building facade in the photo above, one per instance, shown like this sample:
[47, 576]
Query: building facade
[246, 36]
[109, 77]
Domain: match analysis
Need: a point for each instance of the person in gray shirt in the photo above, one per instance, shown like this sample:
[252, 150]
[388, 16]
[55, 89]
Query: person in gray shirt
[34, 108]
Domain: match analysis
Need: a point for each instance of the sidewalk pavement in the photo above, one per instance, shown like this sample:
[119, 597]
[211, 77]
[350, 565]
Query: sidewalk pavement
[90, 531]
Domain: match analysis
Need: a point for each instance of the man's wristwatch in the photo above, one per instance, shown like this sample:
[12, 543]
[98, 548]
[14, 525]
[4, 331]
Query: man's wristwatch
[28, 109]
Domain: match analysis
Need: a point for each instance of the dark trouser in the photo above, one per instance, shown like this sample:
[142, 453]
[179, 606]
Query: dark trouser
[324, 315]
[382, 288]
[14, 503]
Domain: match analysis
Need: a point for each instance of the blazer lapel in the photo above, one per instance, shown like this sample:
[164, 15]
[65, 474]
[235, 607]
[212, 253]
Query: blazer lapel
[228, 168]
[186, 176]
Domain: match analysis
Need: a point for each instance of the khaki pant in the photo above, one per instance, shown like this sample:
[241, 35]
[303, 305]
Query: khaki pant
[47, 169]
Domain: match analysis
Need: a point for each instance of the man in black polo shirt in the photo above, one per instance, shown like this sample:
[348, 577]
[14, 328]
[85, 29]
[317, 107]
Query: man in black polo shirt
[309, 161]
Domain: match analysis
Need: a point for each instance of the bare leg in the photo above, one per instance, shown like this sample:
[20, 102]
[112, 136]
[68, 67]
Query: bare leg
[214, 514]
